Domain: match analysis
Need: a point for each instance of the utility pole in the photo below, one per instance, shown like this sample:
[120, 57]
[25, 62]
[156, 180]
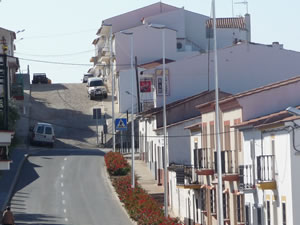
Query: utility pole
[137, 85]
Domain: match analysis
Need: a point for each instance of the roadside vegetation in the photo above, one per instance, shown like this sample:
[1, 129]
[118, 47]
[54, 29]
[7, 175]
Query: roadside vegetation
[140, 206]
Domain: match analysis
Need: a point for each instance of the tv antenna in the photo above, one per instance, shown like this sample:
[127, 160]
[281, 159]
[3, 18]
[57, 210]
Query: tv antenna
[245, 2]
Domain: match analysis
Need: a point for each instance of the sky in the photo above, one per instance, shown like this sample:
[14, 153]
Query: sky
[62, 31]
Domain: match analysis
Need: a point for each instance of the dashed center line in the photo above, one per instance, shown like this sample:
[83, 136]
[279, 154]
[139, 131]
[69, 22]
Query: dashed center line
[62, 167]
[62, 184]
[62, 193]
[63, 202]
[65, 158]
[65, 211]
[62, 176]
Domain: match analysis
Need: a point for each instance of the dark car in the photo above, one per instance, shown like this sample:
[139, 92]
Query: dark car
[86, 77]
[40, 78]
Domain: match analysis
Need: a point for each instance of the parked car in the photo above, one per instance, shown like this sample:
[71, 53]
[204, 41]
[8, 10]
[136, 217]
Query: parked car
[40, 78]
[96, 88]
[86, 77]
[42, 133]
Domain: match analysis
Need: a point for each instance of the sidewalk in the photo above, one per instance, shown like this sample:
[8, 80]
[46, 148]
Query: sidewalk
[19, 154]
[147, 181]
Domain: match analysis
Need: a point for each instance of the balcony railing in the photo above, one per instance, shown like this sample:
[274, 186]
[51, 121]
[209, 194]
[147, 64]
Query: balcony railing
[265, 168]
[228, 160]
[202, 159]
[246, 177]
[186, 178]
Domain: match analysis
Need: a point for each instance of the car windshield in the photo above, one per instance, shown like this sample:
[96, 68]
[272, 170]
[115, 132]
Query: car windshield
[96, 83]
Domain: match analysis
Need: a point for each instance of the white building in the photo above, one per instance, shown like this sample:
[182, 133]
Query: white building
[199, 178]
[7, 46]
[186, 34]
[269, 176]
[242, 67]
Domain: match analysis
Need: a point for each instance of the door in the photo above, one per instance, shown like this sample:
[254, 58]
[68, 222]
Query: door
[39, 134]
[49, 134]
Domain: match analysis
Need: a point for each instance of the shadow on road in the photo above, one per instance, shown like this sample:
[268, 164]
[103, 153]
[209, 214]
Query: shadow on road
[48, 87]
[36, 219]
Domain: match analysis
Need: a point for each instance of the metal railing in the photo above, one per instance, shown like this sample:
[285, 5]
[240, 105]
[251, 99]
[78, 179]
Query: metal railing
[246, 177]
[228, 159]
[184, 175]
[266, 168]
[202, 158]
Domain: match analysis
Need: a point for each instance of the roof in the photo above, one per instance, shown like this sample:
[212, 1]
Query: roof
[155, 63]
[270, 119]
[255, 91]
[193, 126]
[232, 22]
[153, 111]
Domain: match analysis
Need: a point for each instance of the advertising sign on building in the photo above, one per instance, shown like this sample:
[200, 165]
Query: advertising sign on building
[145, 86]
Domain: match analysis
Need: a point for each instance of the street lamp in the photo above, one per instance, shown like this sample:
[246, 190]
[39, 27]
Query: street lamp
[113, 87]
[162, 27]
[132, 121]
[218, 141]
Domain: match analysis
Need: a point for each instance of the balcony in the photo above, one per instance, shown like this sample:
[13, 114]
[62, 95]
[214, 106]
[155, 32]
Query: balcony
[184, 178]
[266, 172]
[246, 178]
[229, 165]
[203, 164]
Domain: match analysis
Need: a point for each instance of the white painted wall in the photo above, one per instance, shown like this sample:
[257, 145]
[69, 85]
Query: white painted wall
[241, 67]
[285, 175]
[270, 101]
[179, 142]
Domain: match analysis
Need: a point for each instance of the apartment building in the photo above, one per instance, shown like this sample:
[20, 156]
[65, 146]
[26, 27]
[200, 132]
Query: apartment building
[200, 178]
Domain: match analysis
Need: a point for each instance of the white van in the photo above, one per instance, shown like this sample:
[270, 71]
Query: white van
[42, 133]
[96, 88]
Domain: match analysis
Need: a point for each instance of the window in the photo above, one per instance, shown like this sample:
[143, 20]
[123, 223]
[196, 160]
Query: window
[213, 201]
[48, 130]
[284, 214]
[237, 137]
[203, 199]
[40, 130]
[247, 214]
[268, 213]
[240, 208]
[204, 135]
[227, 134]
[259, 215]
[226, 205]
[212, 135]
[197, 208]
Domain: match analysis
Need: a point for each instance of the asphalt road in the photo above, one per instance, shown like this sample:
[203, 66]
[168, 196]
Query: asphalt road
[69, 109]
[66, 184]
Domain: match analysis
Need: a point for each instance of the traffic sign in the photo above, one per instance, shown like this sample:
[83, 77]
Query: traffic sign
[121, 124]
[97, 113]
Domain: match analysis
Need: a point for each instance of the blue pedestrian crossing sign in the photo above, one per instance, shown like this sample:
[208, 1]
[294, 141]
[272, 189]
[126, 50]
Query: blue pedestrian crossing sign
[121, 124]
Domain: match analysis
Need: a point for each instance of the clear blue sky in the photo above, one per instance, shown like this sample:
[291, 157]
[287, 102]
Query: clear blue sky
[63, 30]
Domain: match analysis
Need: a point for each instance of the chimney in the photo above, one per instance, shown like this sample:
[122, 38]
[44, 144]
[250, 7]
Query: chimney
[248, 26]
[276, 45]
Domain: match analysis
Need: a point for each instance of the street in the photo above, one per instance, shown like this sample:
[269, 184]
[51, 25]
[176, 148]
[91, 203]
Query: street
[67, 184]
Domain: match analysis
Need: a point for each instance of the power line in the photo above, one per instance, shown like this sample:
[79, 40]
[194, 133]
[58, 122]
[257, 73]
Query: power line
[59, 63]
[68, 54]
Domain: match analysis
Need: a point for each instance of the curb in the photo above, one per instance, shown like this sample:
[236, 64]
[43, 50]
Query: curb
[12, 187]
[116, 194]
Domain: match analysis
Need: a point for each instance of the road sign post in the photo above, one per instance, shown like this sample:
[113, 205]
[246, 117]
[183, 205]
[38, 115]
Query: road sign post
[96, 116]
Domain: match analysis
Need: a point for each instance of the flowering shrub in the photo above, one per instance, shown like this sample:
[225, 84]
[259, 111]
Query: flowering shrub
[116, 164]
[140, 205]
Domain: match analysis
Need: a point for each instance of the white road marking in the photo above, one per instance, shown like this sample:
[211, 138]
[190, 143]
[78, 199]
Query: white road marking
[62, 184]
[62, 176]
[62, 193]
[62, 167]
[66, 219]
[65, 158]
[63, 202]
[65, 211]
